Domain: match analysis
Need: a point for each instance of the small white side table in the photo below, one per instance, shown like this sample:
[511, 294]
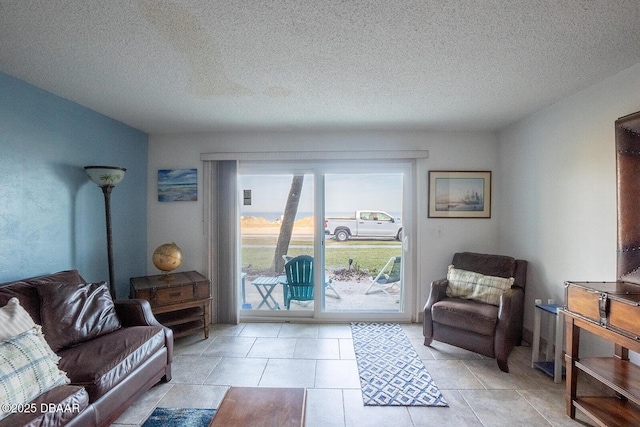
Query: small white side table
[551, 366]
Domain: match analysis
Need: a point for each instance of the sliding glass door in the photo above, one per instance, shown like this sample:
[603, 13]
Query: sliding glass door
[351, 225]
[276, 225]
[363, 246]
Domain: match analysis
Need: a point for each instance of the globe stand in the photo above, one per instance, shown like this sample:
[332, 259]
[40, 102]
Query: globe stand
[166, 277]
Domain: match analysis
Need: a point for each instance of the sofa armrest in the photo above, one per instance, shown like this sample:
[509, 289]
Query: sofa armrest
[135, 312]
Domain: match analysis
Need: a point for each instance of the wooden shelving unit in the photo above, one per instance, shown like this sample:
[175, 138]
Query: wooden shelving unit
[180, 301]
[616, 372]
[184, 321]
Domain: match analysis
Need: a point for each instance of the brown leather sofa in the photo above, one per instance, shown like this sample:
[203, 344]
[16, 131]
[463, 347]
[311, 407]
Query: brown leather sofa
[109, 372]
[483, 328]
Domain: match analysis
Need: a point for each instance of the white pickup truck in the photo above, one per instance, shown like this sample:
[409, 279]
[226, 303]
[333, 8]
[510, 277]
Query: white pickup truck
[369, 224]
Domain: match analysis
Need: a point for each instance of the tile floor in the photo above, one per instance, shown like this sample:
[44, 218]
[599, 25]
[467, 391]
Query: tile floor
[321, 359]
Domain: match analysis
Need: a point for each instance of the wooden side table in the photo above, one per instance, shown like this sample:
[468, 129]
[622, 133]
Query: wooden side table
[180, 301]
[608, 310]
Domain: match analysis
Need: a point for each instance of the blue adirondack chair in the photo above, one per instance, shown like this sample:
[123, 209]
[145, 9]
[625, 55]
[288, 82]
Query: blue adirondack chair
[299, 286]
[328, 283]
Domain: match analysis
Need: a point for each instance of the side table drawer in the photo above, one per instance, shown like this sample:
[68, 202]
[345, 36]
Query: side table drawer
[585, 302]
[612, 305]
[166, 296]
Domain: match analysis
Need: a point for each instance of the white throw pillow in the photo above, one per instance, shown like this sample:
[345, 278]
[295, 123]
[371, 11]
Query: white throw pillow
[28, 368]
[14, 320]
[476, 286]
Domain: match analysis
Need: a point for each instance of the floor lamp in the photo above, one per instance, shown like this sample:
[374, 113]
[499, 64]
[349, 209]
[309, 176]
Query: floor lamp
[107, 177]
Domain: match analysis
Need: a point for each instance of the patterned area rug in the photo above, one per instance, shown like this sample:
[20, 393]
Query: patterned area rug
[391, 373]
[182, 417]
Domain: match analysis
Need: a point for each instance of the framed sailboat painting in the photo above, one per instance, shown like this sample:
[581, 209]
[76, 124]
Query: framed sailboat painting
[459, 194]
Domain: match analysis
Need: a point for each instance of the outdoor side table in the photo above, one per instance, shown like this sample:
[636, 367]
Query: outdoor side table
[265, 287]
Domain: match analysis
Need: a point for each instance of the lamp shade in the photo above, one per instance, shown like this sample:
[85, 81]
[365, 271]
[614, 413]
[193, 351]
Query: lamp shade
[105, 175]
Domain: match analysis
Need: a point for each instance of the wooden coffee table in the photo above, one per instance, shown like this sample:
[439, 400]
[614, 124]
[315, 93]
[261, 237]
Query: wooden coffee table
[261, 407]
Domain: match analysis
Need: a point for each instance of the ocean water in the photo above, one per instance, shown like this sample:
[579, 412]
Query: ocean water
[273, 215]
[177, 192]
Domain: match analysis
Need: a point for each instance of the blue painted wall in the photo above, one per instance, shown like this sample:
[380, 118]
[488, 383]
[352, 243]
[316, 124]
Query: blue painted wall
[51, 216]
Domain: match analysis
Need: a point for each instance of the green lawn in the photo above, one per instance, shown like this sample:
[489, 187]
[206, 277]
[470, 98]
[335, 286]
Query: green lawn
[257, 260]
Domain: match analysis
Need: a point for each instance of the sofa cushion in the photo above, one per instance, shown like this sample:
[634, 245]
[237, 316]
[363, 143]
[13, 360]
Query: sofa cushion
[55, 407]
[464, 314]
[14, 320]
[73, 313]
[476, 286]
[26, 290]
[105, 361]
[66, 276]
[28, 368]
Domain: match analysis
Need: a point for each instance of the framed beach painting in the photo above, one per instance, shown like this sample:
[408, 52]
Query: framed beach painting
[177, 185]
[459, 194]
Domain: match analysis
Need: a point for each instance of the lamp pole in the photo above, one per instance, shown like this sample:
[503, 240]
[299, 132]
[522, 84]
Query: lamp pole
[106, 190]
[107, 177]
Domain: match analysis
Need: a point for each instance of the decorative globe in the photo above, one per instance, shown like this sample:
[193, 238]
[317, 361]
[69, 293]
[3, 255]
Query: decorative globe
[167, 257]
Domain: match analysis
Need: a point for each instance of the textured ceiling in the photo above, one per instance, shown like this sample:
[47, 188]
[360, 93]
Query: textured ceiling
[201, 65]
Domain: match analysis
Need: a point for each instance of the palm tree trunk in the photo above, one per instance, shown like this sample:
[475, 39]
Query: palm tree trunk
[286, 229]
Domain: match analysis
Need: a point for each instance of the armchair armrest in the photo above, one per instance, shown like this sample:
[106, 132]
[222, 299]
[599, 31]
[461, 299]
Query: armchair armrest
[509, 326]
[511, 304]
[437, 292]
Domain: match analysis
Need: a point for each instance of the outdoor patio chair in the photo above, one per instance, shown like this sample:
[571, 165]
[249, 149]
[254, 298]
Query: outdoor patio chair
[328, 283]
[299, 285]
[386, 280]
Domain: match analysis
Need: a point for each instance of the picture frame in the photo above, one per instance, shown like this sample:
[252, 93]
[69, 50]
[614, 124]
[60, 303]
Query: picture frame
[459, 194]
[177, 185]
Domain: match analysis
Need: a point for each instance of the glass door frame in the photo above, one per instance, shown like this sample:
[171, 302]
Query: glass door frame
[318, 168]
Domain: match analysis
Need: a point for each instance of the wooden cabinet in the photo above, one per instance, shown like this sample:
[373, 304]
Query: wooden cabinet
[611, 311]
[180, 301]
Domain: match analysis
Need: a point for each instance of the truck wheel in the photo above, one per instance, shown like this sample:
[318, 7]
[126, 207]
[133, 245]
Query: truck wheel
[399, 236]
[342, 236]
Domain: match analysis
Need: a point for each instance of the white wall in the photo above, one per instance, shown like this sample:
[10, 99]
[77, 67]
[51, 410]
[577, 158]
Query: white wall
[554, 200]
[181, 222]
[558, 188]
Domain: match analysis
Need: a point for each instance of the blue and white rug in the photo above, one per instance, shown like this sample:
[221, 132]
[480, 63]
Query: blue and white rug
[180, 417]
[391, 373]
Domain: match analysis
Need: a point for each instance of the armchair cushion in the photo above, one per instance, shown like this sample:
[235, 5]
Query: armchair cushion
[472, 316]
[475, 286]
[487, 264]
